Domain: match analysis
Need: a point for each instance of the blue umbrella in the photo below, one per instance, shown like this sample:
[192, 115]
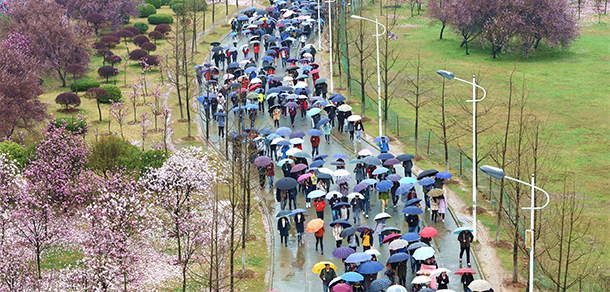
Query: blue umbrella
[380, 285]
[413, 201]
[423, 253]
[459, 230]
[403, 189]
[319, 103]
[317, 194]
[358, 258]
[317, 163]
[443, 174]
[339, 205]
[410, 236]
[378, 139]
[343, 223]
[251, 106]
[273, 90]
[243, 18]
[337, 98]
[297, 211]
[284, 161]
[322, 122]
[264, 131]
[416, 245]
[220, 114]
[270, 137]
[380, 170]
[384, 185]
[394, 177]
[303, 91]
[285, 88]
[370, 267]
[343, 252]
[407, 180]
[313, 111]
[320, 156]
[426, 181]
[324, 176]
[297, 134]
[385, 156]
[201, 99]
[284, 143]
[267, 58]
[370, 181]
[352, 277]
[268, 52]
[412, 210]
[340, 156]
[250, 70]
[314, 132]
[283, 131]
[399, 257]
[232, 34]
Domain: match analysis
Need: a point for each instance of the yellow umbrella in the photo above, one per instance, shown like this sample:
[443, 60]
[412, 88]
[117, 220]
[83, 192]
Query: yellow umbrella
[264, 19]
[317, 268]
[314, 225]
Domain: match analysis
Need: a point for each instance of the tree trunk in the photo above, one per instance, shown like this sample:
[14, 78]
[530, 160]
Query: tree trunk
[99, 110]
[442, 29]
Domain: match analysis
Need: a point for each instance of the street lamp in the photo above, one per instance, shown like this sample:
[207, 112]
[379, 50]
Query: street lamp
[330, 33]
[449, 75]
[319, 30]
[499, 174]
[377, 35]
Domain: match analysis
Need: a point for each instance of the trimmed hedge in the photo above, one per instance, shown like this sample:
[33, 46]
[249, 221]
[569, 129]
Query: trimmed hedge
[160, 19]
[114, 93]
[146, 10]
[143, 27]
[73, 125]
[156, 3]
[84, 84]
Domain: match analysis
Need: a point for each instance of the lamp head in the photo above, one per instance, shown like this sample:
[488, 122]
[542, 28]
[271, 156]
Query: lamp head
[446, 74]
[356, 16]
[493, 171]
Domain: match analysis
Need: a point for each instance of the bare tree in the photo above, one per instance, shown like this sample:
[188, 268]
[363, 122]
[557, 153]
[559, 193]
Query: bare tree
[364, 51]
[417, 93]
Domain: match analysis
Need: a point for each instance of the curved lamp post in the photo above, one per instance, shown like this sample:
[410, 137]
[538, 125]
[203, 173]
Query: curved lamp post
[499, 174]
[449, 75]
[377, 35]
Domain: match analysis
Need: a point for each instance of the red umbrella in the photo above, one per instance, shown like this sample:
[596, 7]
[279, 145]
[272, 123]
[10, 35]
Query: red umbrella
[390, 238]
[465, 270]
[314, 71]
[428, 232]
[255, 86]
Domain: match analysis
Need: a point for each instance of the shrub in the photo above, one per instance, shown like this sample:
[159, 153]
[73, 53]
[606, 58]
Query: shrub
[139, 40]
[133, 29]
[149, 60]
[153, 159]
[146, 10]
[160, 19]
[141, 26]
[110, 41]
[96, 20]
[148, 46]
[178, 7]
[74, 125]
[107, 71]
[112, 153]
[156, 3]
[163, 28]
[155, 35]
[17, 153]
[113, 59]
[84, 84]
[68, 99]
[137, 54]
[114, 93]
[165, 2]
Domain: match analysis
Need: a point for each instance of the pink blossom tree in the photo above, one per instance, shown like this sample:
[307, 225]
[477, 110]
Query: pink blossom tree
[119, 111]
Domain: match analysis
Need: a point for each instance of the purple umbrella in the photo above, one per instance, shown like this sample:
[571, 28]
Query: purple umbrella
[292, 104]
[361, 186]
[343, 252]
[298, 167]
[262, 161]
[394, 177]
[342, 287]
[342, 180]
[363, 227]
[340, 156]
[391, 161]
[297, 134]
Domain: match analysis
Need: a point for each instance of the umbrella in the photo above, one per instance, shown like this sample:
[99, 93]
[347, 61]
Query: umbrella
[297, 211]
[412, 201]
[398, 244]
[435, 193]
[317, 163]
[348, 231]
[380, 170]
[332, 194]
[296, 141]
[297, 134]
[426, 181]
[267, 58]
[298, 167]
[390, 237]
[398, 257]
[341, 172]
[370, 267]
[220, 115]
[339, 205]
[324, 175]
[384, 185]
[351, 276]
[291, 104]
[445, 290]
[405, 157]
[439, 271]
[314, 132]
[391, 161]
[407, 180]
[341, 222]
[317, 268]
[284, 161]
[461, 229]
[361, 186]
[355, 161]
[358, 257]
[316, 194]
[291, 151]
[342, 287]
[353, 195]
[320, 81]
[322, 122]
[380, 285]
[394, 177]
[365, 152]
[423, 253]
[396, 288]
[412, 210]
[217, 49]
[416, 245]
[286, 183]
[262, 161]
[410, 236]
[335, 97]
[320, 156]
[313, 111]
[302, 154]
[340, 156]
[465, 270]
[283, 131]
[337, 163]
[315, 225]
[443, 175]
[283, 213]
[479, 285]
[384, 156]
[382, 215]
[387, 230]
[373, 251]
[214, 43]
[421, 280]
[428, 172]
[304, 176]
[354, 118]
[344, 108]
[371, 160]
[343, 252]
[364, 227]
[428, 232]
[227, 76]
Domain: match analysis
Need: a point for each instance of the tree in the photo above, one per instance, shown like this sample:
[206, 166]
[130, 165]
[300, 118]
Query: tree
[364, 51]
[502, 26]
[137, 54]
[114, 11]
[97, 93]
[67, 99]
[438, 10]
[155, 35]
[107, 72]
[110, 41]
[141, 39]
[148, 46]
[76, 70]
[96, 20]
[113, 59]
[119, 112]
[179, 188]
[19, 89]
[125, 34]
[418, 90]
[111, 155]
[469, 17]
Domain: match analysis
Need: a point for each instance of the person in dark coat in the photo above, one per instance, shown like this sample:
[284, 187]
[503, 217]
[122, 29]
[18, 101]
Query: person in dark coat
[326, 275]
[465, 237]
[340, 121]
[401, 272]
[299, 223]
[283, 226]
[442, 281]
[407, 165]
[413, 222]
[466, 279]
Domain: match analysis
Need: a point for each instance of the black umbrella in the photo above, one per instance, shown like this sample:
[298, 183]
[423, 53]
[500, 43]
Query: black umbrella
[235, 85]
[405, 157]
[217, 49]
[427, 172]
[286, 183]
[324, 176]
[214, 44]
[371, 160]
[348, 231]
[283, 213]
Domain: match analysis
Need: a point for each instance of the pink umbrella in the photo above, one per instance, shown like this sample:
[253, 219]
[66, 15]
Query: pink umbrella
[365, 152]
[427, 270]
[304, 176]
[342, 287]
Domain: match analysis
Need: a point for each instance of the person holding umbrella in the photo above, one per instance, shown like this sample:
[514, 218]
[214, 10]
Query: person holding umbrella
[356, 210]
[220, 120]
[413, 222]
[283, 226]
[379, 226]
[384, 197]
[299, 223]
[352, 242]
[360, 172]
[319, 204]
[282, 198]
[333, 201]
[327, 127]
[277, 112]
[367, 239]
[384, 147]
[256, 47]
[359, 128]
[293, 113]
[407, 165]
[270, 172]
[327, 275]
[466, 279]
[337, 229]
[442, 207]
[367, 200]
[350, 129]
[315, 143]
[442, 281]
[465, 238]
[262, 174]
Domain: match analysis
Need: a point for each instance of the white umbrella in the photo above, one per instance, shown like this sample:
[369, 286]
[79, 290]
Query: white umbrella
[257, 80]
[445, 290]
[439, 271]
[353, 195]
[396, 288]
[276, 140]
[479, 285]
[372, 251]
[288, 78]
[307, 55]
[331, 194]
[354, 118]
[382, 215]
[297, 141]
[325, 170]
[344, 108]
[293, 151]
[301, 84]
[421, 280]
[288, 13]
[341, 172]
[398, 244]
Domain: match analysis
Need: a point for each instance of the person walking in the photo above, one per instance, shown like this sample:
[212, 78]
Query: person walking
[283, 198]
[466, 279]
[357, 210]
[319, 204]
[303, 107]
[401, 273]
[360, 172]
[315, 143]
[407, 165]
[327, 127]
[413, 222]
[434, 208]
[442, 207]
[333, 201]
[442, 281]
[379, 226]
[277, 112]
[384, 147]
[262, 175]
[220, 120]
[293, 114]
[350, 129]
[292, 199]
[256, 49]
[299, 223]
[352, 242]
[359, 128]
[383, 197]
[337, 229]
[465, 237]
[327, 274]
[270, 172]
[367, 239]
[367, 200]
[283, 226]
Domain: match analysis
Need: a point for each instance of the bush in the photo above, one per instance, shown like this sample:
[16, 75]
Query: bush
[137, 54]
[178, 7]
[74, 125]
[146, 10]
[155, 35]
[17, 153]
[125, 34]
[107, 71]
[113, 59]
[156, 3]
[84, 84]
[110, 41]
[114, 93]
[148, 46]
[182, 6]
[139, 40]
[68, 99]
[165, 2]
[163, 28]
[153, 159]
[141, 26]
[133, 29]
[112, 153]
[160, 19]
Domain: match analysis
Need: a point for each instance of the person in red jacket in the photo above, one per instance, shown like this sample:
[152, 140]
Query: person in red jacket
[319, 204]
[245, 50]
[256, 48]
[303, 107]
[320, 239]
[293, 113]
[315, 142]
